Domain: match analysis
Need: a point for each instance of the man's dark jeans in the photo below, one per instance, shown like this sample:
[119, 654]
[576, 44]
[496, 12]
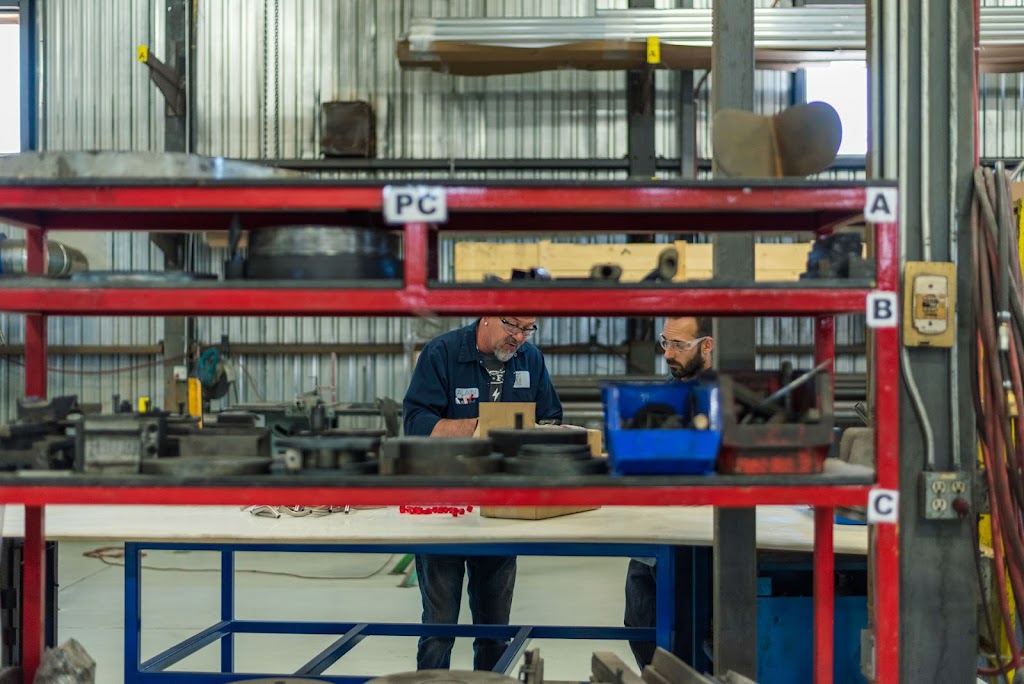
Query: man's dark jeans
[641, 607]
[491, 581]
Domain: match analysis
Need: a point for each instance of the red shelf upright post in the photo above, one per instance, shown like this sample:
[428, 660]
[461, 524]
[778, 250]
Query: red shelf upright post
[33, 619]
[884, 541]
[824, 521]
[415, 252]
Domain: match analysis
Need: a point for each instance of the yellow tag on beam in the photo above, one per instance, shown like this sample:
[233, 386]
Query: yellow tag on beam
[195, 399]
[653, 50]
[142, 53]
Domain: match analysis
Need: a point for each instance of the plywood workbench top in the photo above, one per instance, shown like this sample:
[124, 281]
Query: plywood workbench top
[789, 528]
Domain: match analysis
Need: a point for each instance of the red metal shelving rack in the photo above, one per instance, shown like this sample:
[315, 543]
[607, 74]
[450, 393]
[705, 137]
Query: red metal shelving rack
[186, 205]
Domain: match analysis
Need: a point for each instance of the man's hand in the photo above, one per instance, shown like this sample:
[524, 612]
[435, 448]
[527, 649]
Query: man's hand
[449, 427]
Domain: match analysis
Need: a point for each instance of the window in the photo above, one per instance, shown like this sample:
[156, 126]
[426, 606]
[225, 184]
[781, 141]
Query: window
[10, 80]
[844, 85]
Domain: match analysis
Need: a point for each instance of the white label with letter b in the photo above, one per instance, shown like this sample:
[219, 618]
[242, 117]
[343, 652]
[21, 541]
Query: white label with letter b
[881, 310]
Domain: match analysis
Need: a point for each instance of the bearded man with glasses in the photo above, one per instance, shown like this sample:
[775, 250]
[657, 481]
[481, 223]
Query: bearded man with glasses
[687, 344]
[488, 360]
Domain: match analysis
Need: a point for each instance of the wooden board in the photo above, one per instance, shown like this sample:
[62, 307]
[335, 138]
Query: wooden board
[474, 260]
[532, 512]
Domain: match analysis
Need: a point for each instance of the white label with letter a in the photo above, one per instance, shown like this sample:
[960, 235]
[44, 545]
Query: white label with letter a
[880, 205]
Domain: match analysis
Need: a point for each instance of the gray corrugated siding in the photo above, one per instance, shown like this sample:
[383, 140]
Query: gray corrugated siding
[263, 69]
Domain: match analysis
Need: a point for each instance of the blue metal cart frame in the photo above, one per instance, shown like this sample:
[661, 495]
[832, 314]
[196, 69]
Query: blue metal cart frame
[153, 670]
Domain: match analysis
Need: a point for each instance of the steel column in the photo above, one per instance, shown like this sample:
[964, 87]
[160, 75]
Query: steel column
[33, 617]
[824, 594]
[35, 325]
[666, 597]
[926, 68]
[735, 548]
[824, 522]
[29, 75]
[227, 608]
[642, 153]
[132, 611]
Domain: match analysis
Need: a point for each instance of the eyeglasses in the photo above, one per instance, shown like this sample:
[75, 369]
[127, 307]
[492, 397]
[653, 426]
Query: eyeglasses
[513, 329]
[679, 345]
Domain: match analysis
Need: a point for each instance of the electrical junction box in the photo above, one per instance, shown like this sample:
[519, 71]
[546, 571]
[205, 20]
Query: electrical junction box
[939, 490]
[929, 304]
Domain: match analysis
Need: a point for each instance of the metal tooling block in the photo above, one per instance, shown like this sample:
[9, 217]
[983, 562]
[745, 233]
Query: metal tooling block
[117, 443]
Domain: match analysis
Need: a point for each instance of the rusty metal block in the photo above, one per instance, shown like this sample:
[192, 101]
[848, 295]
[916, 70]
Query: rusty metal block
[348, 129]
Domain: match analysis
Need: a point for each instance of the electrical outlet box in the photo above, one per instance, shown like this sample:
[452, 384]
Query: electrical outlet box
[929, 304]
[180, 373]
[939, 490]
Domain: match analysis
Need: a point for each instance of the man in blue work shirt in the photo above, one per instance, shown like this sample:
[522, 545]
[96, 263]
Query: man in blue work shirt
[687, 343]
[489, 360]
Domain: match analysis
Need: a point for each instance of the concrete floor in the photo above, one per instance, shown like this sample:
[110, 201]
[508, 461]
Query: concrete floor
[184, 598]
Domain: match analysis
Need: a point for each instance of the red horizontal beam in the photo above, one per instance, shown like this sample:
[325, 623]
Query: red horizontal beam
[287, 301]
[252, 198]
[725, 496]
[622, 221]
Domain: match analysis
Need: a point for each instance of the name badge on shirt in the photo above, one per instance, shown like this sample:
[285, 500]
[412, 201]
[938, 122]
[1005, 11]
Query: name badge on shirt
[522, 379]
[466, 395]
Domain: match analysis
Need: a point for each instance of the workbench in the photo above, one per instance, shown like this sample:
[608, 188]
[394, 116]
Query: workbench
[609, 531]
[779, 528]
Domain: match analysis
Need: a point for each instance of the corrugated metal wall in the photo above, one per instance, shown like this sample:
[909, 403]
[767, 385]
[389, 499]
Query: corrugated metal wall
[263, 69]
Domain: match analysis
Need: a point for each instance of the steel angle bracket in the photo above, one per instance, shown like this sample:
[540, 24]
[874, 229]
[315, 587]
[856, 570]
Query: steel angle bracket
[166, 79]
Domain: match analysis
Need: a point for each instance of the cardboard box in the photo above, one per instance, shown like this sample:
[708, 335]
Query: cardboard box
[501, 415]
[532, 512]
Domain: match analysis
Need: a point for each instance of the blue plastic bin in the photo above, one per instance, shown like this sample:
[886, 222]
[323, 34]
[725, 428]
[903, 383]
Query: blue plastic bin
[661, 452]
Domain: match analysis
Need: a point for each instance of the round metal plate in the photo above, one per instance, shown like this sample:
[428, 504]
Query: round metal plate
[207, 466]
[565, 452]
[444, 677]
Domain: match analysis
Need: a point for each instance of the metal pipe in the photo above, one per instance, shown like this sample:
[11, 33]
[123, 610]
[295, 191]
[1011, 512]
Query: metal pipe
[61, 260]
[904, 170]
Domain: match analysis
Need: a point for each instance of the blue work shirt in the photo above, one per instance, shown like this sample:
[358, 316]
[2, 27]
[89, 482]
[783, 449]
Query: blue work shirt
[450, 380]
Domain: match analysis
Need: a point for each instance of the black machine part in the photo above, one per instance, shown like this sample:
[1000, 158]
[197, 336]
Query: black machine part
[655, 416]
[571, 452]
[509, 442]
[140, 277]
[439, 456]
[349, 451]
[555, 466]
[306, 252]
[206, 466]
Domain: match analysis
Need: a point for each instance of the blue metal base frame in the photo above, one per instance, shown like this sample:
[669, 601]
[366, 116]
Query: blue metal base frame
[350, 634]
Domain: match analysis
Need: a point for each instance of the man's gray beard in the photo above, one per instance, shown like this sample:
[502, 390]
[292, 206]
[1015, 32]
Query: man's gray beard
[503, 355]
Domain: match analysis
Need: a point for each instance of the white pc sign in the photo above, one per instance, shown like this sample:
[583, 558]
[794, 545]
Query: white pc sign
[415, 204]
